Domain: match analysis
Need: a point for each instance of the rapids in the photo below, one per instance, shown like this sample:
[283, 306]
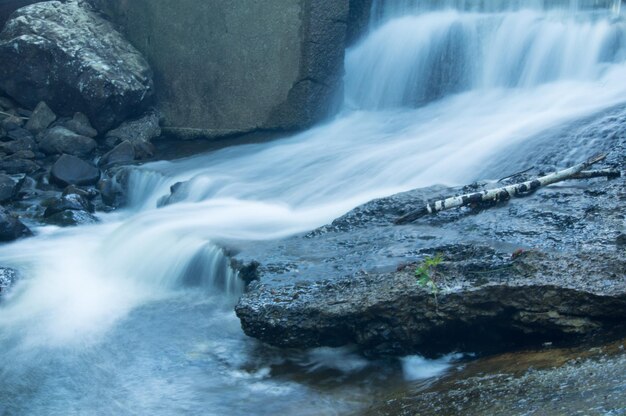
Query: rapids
[134, 315]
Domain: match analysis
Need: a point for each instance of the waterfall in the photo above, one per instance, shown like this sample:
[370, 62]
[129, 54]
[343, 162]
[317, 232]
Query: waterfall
[383, 10]
[138, 308]
[415, 59]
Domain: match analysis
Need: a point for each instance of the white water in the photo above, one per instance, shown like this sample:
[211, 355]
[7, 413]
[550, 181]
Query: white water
[138, 308]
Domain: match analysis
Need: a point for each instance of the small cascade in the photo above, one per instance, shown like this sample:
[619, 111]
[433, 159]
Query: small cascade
[209, 268]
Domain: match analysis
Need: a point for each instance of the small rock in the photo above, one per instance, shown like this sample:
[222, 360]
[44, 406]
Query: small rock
[247, 272]
[70, 170]
[88, 194]
[138, 132]
[11, 228]
[22, 112]
[70, 217]
[14, 166]
[19, 133]
[144, 150]
[123, 153]
[11, 123]
[80, 124]
[40, 119]
[61, 140]
[70, 202]
[9, 187]
[18, 145]
[112, 192]
[621, 240]
[23, 154]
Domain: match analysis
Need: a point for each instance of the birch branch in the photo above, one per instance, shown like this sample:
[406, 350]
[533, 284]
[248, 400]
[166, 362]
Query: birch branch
[511, 191]
[11, 115]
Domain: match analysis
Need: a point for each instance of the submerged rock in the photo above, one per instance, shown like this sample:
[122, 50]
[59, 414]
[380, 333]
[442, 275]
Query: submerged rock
[66, 55]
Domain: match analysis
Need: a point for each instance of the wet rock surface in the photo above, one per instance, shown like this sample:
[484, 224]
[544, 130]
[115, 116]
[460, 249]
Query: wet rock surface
[11, 228]
[9, 187]
[548, 267]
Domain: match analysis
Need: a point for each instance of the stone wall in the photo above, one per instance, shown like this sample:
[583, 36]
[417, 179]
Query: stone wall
[224, 67]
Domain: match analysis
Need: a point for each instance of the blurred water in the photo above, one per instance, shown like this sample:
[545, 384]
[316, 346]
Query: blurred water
[134, 315]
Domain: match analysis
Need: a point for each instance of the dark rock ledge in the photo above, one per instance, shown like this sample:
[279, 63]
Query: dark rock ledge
[487, 301]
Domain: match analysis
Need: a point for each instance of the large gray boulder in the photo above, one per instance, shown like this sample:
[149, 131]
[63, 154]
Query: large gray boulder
[66, 55]
[243, 65]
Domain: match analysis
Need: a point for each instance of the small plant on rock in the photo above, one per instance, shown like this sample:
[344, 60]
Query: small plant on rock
[426, 273]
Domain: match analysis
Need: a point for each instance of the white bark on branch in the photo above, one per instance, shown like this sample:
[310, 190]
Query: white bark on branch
[511, 191]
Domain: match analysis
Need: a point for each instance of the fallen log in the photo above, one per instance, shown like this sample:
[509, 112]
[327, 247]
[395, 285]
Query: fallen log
[512, 191]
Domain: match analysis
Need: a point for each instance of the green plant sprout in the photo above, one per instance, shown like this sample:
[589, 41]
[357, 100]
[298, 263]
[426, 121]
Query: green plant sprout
[425, 272]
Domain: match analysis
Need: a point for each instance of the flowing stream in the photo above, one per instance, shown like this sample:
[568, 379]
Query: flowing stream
[134, 315]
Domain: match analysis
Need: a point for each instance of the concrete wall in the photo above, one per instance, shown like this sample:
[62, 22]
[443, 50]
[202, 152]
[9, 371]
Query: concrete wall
[223, 66]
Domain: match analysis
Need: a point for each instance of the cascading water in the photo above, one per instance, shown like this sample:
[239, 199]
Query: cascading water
[134, 315]
[415, 59]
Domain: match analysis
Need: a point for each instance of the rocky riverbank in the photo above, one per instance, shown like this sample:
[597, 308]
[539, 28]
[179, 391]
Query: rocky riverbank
[75, 102]
[547, 268]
